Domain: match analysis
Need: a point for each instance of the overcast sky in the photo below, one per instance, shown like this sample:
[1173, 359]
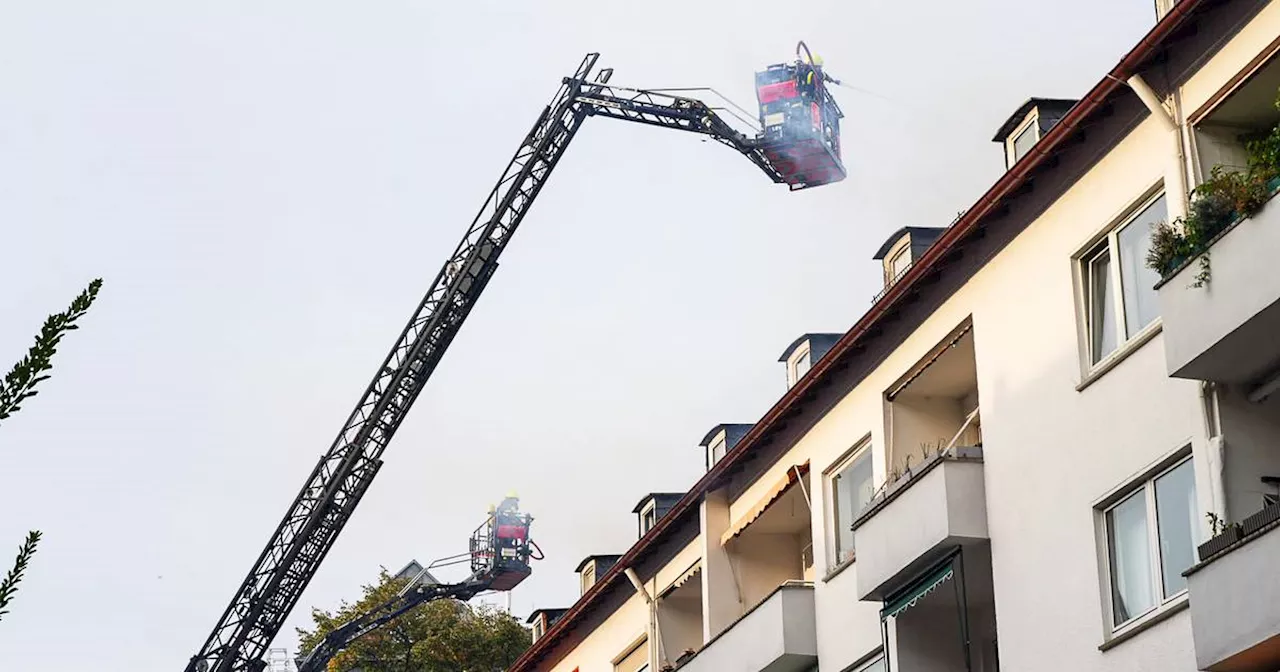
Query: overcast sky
[267, 189]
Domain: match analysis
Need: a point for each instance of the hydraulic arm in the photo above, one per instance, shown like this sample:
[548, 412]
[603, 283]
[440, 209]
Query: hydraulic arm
[330, 494]
[499, 555]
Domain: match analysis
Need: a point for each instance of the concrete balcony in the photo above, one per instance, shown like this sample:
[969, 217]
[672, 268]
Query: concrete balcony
[1225, 330]
[779, 635]
[1235, 598]
[918, 520]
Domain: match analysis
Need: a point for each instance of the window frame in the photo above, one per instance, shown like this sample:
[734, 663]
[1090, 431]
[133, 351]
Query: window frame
[1030, 123]
[721, 440]
[650, 509]
[1146, 483]
[587, 577]
[1107, 238]
[793, 368]
[862, 449]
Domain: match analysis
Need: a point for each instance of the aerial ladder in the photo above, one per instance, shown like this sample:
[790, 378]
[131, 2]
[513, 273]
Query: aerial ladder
[499, 555]
[797, 146]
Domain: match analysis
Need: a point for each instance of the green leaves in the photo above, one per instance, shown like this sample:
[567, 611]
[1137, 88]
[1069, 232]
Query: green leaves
[439, 636]
[20, 382]
[9, 585]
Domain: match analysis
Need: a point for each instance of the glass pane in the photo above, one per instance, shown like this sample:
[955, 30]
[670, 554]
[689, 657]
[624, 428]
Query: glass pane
[717, 452]
[1176, 522]
[1102, 308]
[802, 365]
[1130, 558]
[1024, 141]
[852, 490]
[1138, 281]
[900, 263]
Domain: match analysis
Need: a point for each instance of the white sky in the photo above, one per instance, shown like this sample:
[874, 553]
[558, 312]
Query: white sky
[268, 188]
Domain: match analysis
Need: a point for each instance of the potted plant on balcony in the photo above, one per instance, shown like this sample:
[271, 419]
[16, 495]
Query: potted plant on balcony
[1224, 535]
[1226, 197]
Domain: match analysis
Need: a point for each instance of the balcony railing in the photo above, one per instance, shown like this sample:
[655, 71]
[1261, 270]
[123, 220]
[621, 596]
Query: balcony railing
[1235, 597]
[778, 635]
[918, 519]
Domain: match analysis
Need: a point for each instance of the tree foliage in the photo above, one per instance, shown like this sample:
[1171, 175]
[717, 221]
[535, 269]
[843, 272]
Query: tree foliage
[439, 636]
[20, 384]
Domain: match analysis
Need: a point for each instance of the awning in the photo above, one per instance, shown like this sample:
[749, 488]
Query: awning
[912, 597]
[937, 353]
[686, 576]
[779, 488]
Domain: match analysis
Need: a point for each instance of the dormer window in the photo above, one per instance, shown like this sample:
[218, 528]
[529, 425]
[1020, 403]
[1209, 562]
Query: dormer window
[539, 628]
[653, 507]
[1030, 122]
[587, 577]
[1021, 142]
[720, 440]
[592, 568]
[648, 518]
[801, 365]
[902, 249]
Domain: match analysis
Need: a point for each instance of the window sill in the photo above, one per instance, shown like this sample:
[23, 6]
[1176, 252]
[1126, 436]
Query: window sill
[1148, 621]
[1122, 353]
[840, 567]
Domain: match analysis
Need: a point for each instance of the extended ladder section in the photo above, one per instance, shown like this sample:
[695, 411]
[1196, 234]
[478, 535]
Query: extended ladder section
[330, 494]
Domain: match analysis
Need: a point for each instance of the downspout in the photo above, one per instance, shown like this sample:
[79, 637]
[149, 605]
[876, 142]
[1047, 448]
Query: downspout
[1175, 175]
[655, 637]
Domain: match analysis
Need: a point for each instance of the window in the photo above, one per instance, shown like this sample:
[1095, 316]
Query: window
[1119, 290]
[648, 518]
[899, 264]
[802, 365]
[851, 489]
[635, 659]
[717, 450]
[538, 628]
[588, 577]
[1023, 141]
[1151, 540]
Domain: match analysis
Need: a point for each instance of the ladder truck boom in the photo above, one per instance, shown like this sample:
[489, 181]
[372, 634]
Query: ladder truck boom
[330, 494]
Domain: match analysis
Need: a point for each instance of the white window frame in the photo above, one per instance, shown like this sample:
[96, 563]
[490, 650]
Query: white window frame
[1146, 482]
[721, 441]
[650, 509]
[793, 368]
[878, 658]
[899, 247]
[587, 577]
[539, 627]
[1032, 120]
[861, 449]
[1109, 237]
[641, 642]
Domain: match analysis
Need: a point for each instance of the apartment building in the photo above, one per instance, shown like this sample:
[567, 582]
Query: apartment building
[1012, 460]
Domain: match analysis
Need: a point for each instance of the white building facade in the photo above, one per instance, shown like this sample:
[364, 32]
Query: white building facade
[1033, 452]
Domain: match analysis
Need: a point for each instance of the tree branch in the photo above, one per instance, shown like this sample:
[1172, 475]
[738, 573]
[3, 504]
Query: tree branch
[10, 584]
[20, 382]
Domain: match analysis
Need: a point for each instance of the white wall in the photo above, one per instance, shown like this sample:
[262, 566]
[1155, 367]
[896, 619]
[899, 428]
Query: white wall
[1252, 434]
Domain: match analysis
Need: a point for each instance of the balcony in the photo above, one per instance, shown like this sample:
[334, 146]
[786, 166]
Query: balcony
[778, 635]
[1235, 597]
[919, 519]
[1225, 330]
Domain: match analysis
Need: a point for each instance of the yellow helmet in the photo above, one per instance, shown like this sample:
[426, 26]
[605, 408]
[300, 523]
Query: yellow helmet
[817, 60]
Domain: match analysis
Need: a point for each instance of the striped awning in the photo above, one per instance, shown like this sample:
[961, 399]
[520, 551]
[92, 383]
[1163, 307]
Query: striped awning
[775, 492]
[912, 596]
[686, 576]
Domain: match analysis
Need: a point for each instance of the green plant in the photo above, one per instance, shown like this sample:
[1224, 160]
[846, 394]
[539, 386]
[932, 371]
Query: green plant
[19, 384]
[1226, 196]
[9, 585]
[1219, 525]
